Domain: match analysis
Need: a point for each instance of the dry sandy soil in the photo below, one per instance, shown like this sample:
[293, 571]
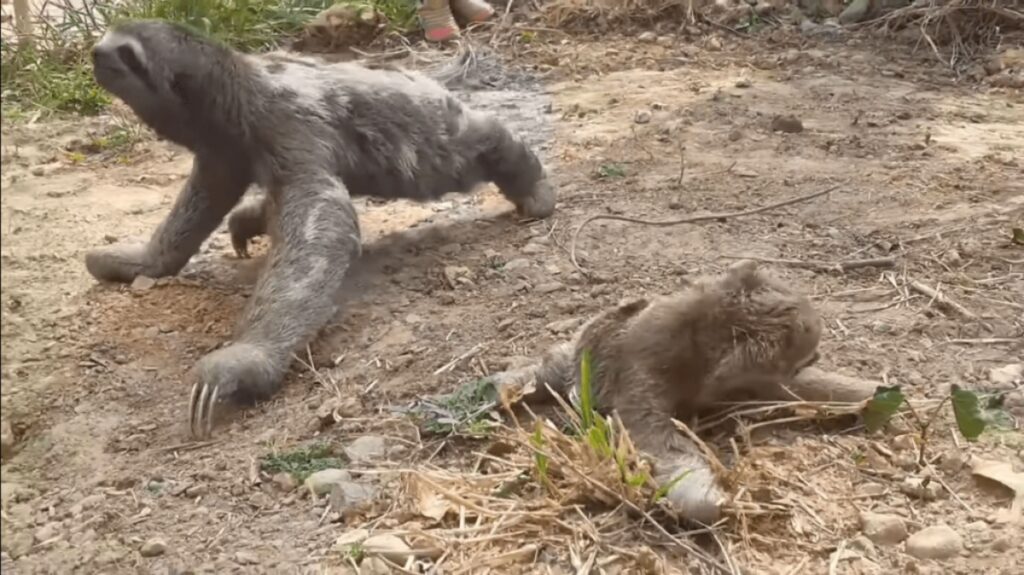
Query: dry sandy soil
[95, 377]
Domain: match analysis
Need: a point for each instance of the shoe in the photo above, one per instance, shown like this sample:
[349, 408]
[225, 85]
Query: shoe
[473, 10]
[437, 21]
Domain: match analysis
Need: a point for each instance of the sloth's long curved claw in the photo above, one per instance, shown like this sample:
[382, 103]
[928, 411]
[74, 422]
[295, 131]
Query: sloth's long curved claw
[200, 409]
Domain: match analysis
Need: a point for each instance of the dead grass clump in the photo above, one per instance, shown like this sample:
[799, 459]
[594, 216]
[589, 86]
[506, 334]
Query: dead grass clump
[957, 31]
[602, 14]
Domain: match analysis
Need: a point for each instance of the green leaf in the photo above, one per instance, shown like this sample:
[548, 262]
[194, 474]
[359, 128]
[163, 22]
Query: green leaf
[1018, 236]
[610, 171]
[967, 410]
[880, 408]
[586, 399]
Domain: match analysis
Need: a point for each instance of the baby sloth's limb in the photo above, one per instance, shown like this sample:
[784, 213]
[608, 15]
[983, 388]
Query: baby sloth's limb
[247, 221]
[693, 489]
[815, 384]
[552, 373]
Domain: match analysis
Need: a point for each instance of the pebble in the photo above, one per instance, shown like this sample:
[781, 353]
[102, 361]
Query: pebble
[246, 558]
[648, 37]
[6, 440]
[921, 489]
[47, 532]
[904, 443]
[564, 325]
[517, 264]
[349, 494]
[743, 83]
[19, 544]
[789, 124]
[549, 287]
[883, 529]
[323, 481]
[953, 462]
[642, 117]
[1008, 376]
[153, 548]
[197, 491]
[142, 283]
[366, 448]
[534, 248]
[285, 481]
[935, 542]
[871, 490]
[1003, 544]
[87, 503]
[388, 546]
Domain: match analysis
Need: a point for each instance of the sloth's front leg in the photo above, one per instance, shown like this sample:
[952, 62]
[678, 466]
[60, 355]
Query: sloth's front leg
[296, 295]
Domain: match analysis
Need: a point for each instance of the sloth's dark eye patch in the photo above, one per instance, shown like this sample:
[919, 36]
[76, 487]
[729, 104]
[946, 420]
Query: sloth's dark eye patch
[128, 57]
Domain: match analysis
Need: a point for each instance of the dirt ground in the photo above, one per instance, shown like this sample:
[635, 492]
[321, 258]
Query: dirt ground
[95, 377]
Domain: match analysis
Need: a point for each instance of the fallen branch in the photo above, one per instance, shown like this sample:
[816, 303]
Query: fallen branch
[823, 266]
[941, 299]
[688, 220]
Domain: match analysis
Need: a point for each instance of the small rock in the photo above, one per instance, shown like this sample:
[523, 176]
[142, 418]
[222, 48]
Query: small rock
[789, 124]
[142, 283]
[47, 532]
[246, 558]
[642, 117]
[665, 41]
[743, 83]
[387, 546]
[1003, 544]
[855, 12]
[735, 135]
[285, 481]
[647, 37]
[953, 462]
[197, 490]
[534, 248]
[714, 44]
[19, 544]
[323, 481]
[564, 325]
[935, 542]
[883, 529]
[348, 494]
[921, 488]
[1007, 376]
[904, 443]
[366, 448]
[862, 545]
[550, 287]
[517, 264]
[153, 548]
[871, 490]
[87, 503]
[6, 440]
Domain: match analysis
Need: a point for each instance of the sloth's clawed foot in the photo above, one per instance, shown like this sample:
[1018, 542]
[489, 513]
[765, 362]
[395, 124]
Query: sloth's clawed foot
[119, 262]
[239, 373]
[694, 493]
[541, 203]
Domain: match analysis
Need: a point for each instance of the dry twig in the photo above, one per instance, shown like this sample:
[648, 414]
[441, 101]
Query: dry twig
[689, 220]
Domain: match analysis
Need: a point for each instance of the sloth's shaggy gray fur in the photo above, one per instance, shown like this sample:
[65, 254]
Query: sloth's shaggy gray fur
[311, 136]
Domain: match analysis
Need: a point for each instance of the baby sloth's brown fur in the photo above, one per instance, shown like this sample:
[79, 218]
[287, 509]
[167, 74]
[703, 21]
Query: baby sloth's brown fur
[741, 333]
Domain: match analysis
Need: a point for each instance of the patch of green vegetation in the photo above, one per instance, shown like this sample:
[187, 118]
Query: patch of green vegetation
[611, 171]
[468, 411]
[53, 74]
[302, 462]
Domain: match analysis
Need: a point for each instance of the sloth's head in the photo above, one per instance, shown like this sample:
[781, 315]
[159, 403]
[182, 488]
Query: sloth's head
[162, 71]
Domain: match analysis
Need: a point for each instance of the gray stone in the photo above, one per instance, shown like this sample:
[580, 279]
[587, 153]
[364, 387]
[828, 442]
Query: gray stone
[323, 481]
[366, 448]
[153, 548]
[855, 12]
[883, 529]
[935, 542]
[349, 494]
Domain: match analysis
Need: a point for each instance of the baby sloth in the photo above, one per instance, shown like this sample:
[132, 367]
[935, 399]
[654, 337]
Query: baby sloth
[311, 136]
[743, 332]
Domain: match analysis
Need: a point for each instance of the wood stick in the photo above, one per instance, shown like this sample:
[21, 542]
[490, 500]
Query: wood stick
[941, 299]
[823, 266]
[23, 22]
[689, 220]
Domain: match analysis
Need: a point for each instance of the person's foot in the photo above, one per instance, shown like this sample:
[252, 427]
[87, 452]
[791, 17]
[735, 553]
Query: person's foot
[437, 21]
[472, 10]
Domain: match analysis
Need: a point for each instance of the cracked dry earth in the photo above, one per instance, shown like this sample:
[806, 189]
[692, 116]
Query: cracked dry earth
[95, 384]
